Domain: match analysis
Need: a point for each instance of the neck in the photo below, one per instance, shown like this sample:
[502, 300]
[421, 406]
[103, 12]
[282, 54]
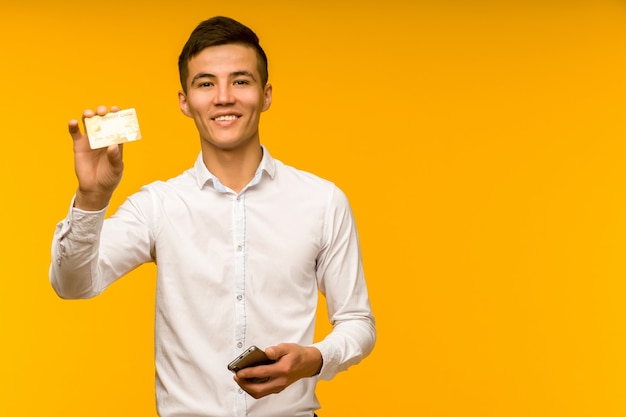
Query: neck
[234, 168]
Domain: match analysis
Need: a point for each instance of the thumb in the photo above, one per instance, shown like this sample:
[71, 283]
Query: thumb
[275, 352]
[114, 153]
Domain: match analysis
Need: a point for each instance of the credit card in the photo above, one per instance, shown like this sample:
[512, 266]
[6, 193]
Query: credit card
[112, 128]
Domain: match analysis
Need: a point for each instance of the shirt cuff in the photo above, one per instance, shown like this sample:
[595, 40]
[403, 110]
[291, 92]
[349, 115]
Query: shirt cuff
[331, 359]
[81, 225]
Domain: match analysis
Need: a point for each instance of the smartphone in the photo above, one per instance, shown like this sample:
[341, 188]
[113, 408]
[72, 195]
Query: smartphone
[253, 356]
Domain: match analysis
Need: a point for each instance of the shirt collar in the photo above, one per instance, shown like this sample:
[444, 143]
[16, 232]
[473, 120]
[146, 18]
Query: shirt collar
[204, 176]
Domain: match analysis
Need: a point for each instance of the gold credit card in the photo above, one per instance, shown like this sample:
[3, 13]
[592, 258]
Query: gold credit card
[112, 128]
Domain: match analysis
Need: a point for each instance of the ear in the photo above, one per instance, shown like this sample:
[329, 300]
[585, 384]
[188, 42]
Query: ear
[267, 97]
[182, 101]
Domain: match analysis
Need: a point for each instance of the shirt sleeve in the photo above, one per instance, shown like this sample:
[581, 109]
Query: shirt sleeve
[89, 253]
[341, 280]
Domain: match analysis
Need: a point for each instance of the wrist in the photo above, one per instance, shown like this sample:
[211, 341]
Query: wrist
[316, 359]
[91, 201]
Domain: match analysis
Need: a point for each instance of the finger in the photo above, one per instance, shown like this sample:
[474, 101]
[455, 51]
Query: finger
[254, 386]
[101, 110]
[275, 352]
[88, 113]
[73, 128]
[271, 353]
[79, 140]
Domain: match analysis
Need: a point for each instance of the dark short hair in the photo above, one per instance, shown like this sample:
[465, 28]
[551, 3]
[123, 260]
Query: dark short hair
[215, 31]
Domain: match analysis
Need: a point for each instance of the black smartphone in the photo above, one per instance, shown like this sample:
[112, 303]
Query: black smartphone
[253, 356]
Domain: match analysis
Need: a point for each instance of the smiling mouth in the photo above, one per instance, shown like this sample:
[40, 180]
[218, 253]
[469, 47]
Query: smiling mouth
[225, 118]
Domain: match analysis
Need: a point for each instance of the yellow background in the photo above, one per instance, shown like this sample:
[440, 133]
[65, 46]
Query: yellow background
[481, 144]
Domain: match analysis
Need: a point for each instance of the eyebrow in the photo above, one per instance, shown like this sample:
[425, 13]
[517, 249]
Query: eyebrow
[213, 76]
[243, 73]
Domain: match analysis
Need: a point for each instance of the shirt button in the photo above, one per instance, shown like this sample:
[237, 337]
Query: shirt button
[240, 391]
[239, 297]
[239, 344]
[239, 248]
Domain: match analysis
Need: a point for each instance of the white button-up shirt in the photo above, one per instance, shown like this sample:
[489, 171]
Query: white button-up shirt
[234, 269]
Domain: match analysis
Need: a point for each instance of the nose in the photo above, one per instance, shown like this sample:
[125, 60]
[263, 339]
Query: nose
[223, 95]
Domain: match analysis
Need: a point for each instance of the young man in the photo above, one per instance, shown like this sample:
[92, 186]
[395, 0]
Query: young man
[242, 243]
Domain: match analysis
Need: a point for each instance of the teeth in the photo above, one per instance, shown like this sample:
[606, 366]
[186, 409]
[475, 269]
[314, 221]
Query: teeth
[225, 118]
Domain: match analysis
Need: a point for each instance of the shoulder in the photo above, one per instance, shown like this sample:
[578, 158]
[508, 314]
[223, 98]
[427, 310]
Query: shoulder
[308, 188]
[298, 177]
[163, 189]
[184, 179]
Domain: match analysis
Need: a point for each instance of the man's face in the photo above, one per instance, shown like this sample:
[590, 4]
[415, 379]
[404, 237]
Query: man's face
[225, 96]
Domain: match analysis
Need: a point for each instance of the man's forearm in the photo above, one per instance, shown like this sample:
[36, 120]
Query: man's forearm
[73, 270]
[349, 343]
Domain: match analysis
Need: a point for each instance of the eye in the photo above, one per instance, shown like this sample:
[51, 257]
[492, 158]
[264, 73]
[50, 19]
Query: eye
[241, 82]
[206, 84]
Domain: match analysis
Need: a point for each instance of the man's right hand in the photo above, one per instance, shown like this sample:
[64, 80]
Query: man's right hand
[99, 171]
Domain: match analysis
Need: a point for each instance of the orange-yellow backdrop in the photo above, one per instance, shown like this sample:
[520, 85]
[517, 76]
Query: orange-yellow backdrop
[481, 144]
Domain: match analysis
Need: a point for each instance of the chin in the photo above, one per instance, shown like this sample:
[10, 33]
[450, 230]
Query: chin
[227, 145]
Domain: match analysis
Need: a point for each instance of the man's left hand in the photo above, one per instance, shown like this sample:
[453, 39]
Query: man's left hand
[293, 362]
